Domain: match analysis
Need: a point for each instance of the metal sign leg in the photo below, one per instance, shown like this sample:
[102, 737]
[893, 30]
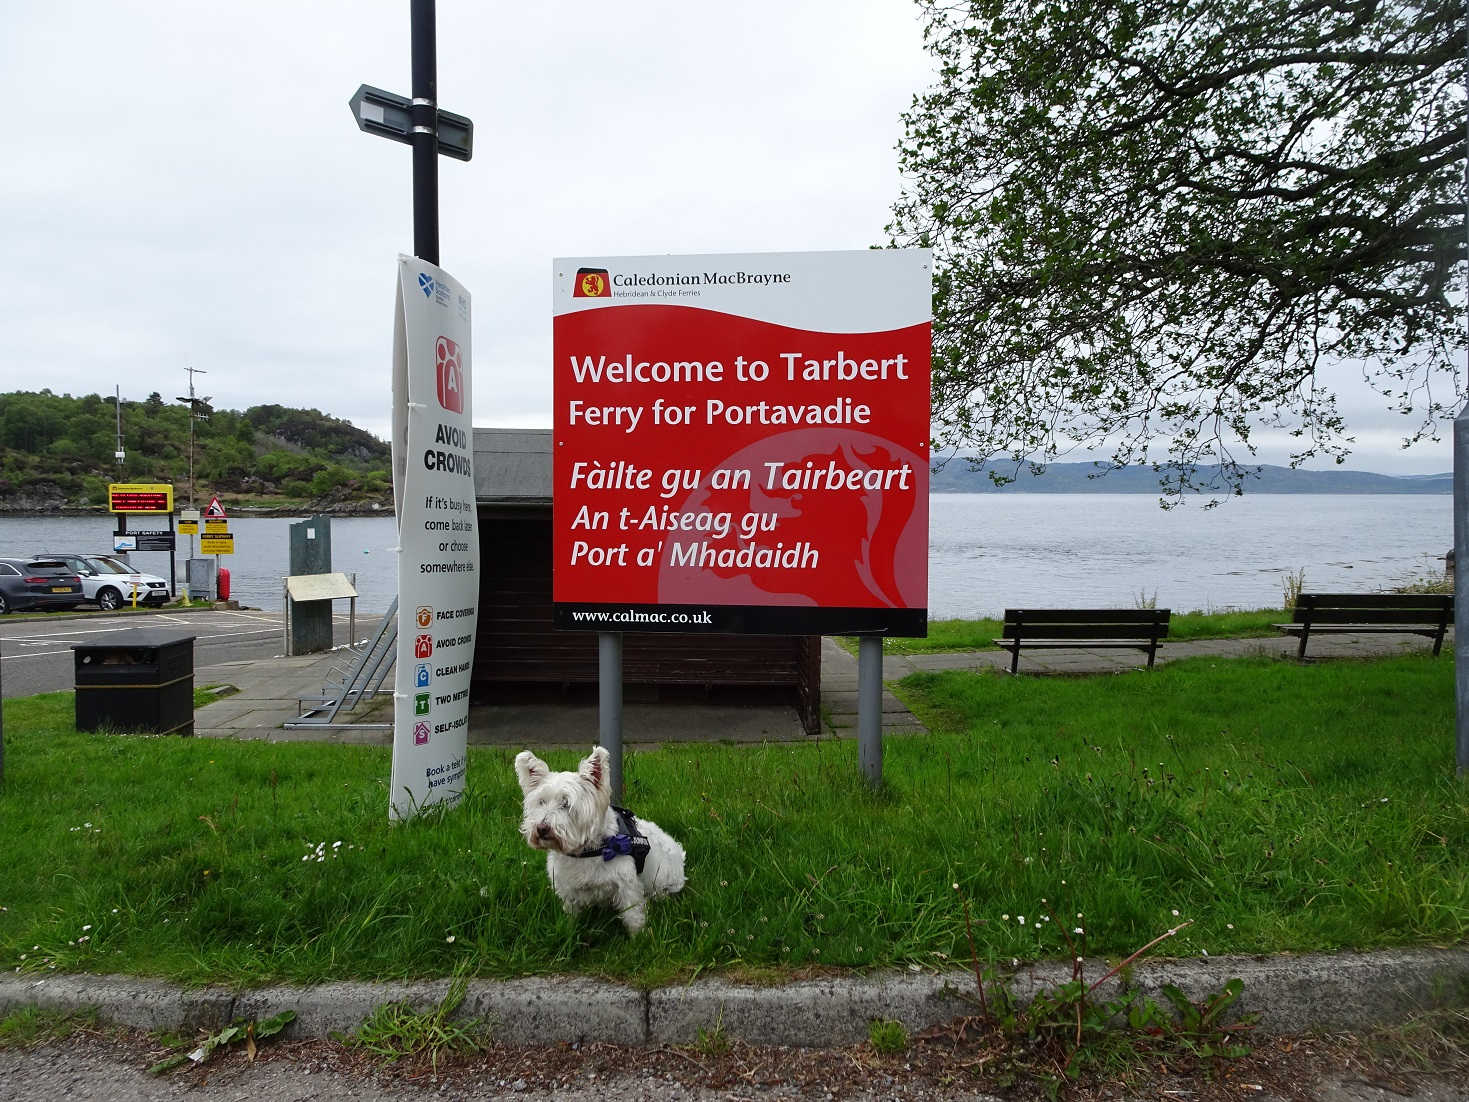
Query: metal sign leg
[609, 703]
[869, 707]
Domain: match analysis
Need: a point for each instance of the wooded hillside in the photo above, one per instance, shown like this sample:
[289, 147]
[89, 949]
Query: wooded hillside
[57, 452]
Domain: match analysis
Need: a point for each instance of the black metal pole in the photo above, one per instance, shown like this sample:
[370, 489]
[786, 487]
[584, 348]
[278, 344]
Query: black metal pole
[423, 115]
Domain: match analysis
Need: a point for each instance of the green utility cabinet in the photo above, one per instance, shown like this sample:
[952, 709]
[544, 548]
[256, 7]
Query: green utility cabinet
[310, 622]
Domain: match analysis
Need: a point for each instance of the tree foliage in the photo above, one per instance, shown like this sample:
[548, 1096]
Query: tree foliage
[66, 446]
[1164, 224]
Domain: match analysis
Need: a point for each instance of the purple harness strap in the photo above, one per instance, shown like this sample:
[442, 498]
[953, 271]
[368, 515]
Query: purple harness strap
[630, 842]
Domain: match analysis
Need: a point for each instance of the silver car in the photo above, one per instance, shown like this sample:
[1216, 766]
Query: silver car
[111, 582]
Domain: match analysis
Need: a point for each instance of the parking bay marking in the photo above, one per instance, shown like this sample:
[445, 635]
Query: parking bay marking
[205, 640]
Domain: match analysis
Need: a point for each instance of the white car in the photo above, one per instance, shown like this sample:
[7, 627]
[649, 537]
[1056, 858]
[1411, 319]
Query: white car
[111, 581]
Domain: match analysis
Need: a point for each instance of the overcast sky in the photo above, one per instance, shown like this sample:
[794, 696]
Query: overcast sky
[183, 183]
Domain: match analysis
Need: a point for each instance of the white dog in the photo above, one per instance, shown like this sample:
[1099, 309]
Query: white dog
[595, 853]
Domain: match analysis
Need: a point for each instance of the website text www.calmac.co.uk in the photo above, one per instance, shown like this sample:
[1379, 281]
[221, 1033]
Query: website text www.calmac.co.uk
[640, 616]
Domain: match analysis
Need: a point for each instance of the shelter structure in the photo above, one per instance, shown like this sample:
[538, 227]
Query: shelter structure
[517, 649]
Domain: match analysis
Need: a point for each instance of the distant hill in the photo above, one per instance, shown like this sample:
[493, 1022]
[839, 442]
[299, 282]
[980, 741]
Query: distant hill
[1096, 478]
[57, 454]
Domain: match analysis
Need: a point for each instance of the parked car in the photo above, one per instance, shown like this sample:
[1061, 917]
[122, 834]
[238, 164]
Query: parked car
[110, 581]
[38, 583]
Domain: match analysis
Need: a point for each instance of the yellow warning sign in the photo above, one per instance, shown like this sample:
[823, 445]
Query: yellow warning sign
[217, 544]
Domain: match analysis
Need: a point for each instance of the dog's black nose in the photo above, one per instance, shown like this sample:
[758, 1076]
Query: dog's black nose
[543, 831]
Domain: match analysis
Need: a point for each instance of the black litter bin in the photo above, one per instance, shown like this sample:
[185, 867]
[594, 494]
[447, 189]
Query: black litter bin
[137, 680]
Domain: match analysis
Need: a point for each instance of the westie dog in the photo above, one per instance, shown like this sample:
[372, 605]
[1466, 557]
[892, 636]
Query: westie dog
[595, 853]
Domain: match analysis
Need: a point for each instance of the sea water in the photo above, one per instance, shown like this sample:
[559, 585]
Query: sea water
[987, 552]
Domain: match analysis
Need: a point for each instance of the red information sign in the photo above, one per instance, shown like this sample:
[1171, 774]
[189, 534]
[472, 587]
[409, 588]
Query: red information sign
[741, 443]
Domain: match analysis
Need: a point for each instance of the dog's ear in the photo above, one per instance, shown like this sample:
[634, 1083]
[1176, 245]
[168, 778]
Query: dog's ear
[594, 768]
[530, 770]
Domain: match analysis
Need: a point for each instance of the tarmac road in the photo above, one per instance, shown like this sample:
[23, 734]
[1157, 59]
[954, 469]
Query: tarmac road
[36, 654]
[110, 1068]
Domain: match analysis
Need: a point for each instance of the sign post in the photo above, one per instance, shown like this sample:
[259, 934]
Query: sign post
[433, 454]
[742, 446]
[420, 123]
[1461, 592]
[189, 526]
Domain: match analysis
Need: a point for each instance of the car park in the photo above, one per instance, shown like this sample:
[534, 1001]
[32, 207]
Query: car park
[110, 582]
[38, 583]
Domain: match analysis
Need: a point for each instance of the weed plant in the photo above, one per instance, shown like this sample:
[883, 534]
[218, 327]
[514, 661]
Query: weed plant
[1276, 806]
[1429, 577]
[1292, 585]
[395, 1031]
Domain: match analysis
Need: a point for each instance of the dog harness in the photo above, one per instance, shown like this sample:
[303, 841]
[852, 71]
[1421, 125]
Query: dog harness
[629, 842]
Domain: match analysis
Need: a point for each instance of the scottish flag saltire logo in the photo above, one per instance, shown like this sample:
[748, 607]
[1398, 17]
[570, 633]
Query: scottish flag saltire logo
[426, 284]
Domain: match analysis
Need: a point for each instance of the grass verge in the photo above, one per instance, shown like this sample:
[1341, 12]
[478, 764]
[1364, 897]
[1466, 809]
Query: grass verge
[945, 636]
[1278, 807]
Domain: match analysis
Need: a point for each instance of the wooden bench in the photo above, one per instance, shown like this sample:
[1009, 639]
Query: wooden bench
[1378, 613]
[1083, 629]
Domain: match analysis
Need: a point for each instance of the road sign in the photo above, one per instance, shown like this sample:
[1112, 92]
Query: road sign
[216, 527]
[388, 115]
[139, 497]
[189, 527]
[222, 544]
[214, 509]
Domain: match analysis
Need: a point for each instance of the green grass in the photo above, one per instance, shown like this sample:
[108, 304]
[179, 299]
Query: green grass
[1279, 807]
[946, 636]
[31, 1026]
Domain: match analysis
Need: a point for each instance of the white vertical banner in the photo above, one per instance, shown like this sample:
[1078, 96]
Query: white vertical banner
[438, 541]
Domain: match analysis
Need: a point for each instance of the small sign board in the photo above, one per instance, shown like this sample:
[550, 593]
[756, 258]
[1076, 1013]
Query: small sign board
[217, 544]
[139, 497]
[216, 527]
[153, 541]
[319, 587]
[189, 527]
[214, 508]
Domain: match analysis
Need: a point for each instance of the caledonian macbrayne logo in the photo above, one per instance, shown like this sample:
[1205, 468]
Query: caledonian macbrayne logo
[591, 283]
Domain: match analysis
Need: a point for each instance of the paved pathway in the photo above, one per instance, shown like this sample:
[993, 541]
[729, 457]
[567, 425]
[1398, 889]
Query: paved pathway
[270, 690]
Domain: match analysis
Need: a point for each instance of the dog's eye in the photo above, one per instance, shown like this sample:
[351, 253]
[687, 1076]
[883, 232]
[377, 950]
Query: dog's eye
[565, 803]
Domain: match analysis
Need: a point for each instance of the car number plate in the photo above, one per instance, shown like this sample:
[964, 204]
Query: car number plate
[63, 589]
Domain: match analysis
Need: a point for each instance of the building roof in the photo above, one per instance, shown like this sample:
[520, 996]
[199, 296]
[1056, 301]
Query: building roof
[512, 466]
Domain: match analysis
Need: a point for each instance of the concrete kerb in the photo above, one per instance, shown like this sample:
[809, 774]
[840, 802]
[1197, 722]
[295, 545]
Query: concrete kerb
[1294, 994]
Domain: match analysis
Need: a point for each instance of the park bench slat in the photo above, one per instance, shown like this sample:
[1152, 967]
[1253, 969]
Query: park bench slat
[1087, 615]
[1368, 615]
[1433, 601]
[1116, 632]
